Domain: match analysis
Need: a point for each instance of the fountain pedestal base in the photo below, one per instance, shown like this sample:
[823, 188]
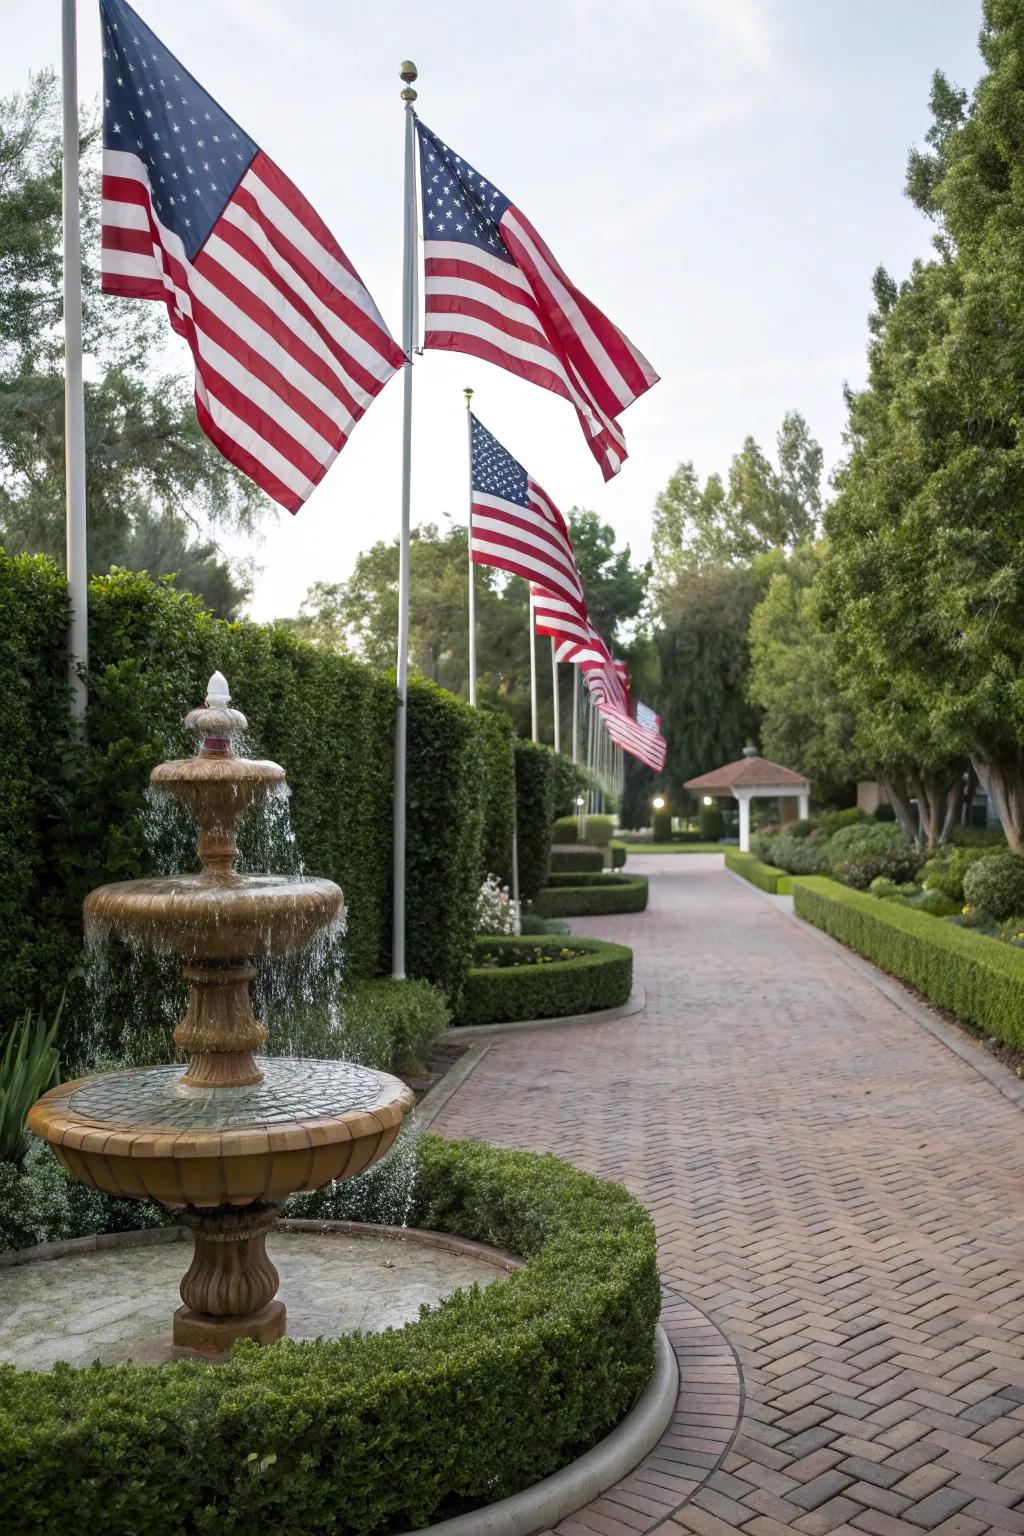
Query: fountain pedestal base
[230, 1285]
[202, 1334]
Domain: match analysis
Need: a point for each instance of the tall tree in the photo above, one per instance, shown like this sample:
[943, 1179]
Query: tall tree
[615, 588]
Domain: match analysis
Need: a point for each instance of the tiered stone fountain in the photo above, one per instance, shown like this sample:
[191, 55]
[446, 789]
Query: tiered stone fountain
[230, 1135]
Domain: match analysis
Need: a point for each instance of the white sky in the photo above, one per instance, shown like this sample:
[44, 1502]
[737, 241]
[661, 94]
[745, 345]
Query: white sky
[721, 176]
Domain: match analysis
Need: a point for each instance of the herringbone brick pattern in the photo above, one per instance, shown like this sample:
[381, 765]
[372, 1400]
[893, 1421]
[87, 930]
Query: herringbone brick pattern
[840, 1194]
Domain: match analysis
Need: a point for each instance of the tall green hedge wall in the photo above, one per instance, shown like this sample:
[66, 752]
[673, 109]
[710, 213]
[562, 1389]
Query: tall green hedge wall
[534, 777]
[71, 814]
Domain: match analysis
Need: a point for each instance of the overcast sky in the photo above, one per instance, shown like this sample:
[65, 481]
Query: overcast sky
[721, 176]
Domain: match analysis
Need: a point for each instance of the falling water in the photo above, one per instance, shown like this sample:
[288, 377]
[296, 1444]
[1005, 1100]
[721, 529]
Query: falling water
[382, 1195]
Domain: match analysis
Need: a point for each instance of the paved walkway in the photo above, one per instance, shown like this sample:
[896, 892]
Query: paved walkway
[834, 1188]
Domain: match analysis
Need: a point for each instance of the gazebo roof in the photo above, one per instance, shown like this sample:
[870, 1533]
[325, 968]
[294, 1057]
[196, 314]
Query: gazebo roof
[749, 772]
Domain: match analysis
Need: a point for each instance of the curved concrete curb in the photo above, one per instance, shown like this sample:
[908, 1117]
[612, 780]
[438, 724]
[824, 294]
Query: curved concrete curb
[542, 1506]
[636, 1002]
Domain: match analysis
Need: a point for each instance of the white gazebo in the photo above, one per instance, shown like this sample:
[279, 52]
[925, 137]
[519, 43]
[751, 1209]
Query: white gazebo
[749, 778]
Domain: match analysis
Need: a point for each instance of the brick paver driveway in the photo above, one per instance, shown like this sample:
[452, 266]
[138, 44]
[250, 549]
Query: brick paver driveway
[840, 1193]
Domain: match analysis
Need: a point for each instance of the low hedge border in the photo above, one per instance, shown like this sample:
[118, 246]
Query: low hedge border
[580, 860]
[588, 895]
[618, 853]
[977, 978]
[341, 1436]
[602, 977]
[765, 876]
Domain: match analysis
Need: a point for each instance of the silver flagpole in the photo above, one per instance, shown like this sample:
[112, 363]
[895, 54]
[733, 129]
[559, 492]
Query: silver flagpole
[74, 396]
[554, 697]
[407, 72]
[534, 732]
[575, 713]
[469, 540]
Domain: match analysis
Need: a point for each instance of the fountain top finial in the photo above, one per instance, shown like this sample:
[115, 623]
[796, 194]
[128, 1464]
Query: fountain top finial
[217, 724]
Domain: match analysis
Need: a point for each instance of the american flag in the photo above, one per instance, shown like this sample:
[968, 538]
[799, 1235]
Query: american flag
[649, 746]
[646, 717]
[494, 289]
[289, 348]
[575, 637]
[514, 524]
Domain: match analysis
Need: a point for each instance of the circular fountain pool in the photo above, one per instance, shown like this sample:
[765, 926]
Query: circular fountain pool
[111, 1304]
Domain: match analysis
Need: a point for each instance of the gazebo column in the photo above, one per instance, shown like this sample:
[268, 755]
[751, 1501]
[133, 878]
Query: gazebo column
[805, 807]
[744, 802]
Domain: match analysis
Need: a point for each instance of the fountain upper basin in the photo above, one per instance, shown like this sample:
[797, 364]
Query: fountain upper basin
[204, 917]
[146, 1135]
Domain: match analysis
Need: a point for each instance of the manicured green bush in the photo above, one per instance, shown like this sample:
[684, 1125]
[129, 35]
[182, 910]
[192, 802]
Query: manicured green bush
[710, 821]
[597, 830]
[341, 1436]
[661, 825]
[802, 827]
[392, 1024]
[859, 837]
[978, 837]
[767, 878]
[996, 885]
[587, 895]
[898, 863]
[945, 872]
[499, 796]
[568, 779]
[565, 829]
[796, 855]
[618, 853]
[977, 978]
[837, 821]
[935, 904]
[601, 978]
[567, 861]
[534, 778]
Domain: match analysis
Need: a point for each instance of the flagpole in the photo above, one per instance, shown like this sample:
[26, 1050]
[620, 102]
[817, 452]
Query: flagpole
[534, 732]
[575, 714]
[554, 698]
[76, 526]
[407, 72]
[469, 543]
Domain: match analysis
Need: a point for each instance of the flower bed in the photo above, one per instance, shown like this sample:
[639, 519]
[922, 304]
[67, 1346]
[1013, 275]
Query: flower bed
[975, 977]
[765, 876]
[539, 982]
[342, 1436]
[591, 895]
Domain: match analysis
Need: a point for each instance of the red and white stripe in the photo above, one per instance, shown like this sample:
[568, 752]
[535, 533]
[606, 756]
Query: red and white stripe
[531, 541]
[575, 637]
[289, 348]
[649, 746]
[531, 320]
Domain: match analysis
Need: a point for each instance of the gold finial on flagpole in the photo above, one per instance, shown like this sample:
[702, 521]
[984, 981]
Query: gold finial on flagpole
[408, 72]
[468, 394]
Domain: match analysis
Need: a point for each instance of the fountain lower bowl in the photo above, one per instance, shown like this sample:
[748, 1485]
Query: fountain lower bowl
[201, 917]
[143, 1134]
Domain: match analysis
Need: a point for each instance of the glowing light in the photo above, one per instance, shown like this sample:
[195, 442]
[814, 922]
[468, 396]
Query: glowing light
[709, 799]
[658, 802]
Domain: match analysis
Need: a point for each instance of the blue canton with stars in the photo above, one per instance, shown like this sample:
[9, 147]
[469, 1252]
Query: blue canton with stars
[195, 154]
[495, 471]
[458, 204]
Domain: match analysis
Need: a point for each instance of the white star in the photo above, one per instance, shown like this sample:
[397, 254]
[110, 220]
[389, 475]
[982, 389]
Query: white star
[117, 127]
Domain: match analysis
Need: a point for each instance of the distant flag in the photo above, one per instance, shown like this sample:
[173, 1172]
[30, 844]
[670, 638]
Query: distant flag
[494, 289]
[514, 524]
[289, 348]
[647, 745]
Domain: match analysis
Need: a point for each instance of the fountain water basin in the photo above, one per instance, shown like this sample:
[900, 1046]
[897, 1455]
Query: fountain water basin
[230, 1135]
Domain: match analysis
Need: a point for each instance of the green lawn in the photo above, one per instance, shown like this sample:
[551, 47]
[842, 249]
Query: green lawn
[639, 848]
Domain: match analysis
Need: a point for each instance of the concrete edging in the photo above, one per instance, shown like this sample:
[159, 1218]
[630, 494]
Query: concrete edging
[542, 1506]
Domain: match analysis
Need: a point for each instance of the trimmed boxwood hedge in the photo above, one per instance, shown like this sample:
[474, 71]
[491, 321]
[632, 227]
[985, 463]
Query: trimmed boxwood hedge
[585, 895]
[565, 861]
[977, 978]
[487, 1393]
[765, 876]
[618, 852]
[534, 780]
[602, 977]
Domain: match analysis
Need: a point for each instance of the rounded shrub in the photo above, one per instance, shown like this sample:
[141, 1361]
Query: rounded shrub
[836, 821]
[935, 904]
[945, 873]
[796, 855]
[597, 830]
[661, 825]
[978, 837]
[566, 829]
[540, 984]
[341, 1435]
[996, 885]
[897, 864]
[860, 837]
[586, 895]
[802, 827]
